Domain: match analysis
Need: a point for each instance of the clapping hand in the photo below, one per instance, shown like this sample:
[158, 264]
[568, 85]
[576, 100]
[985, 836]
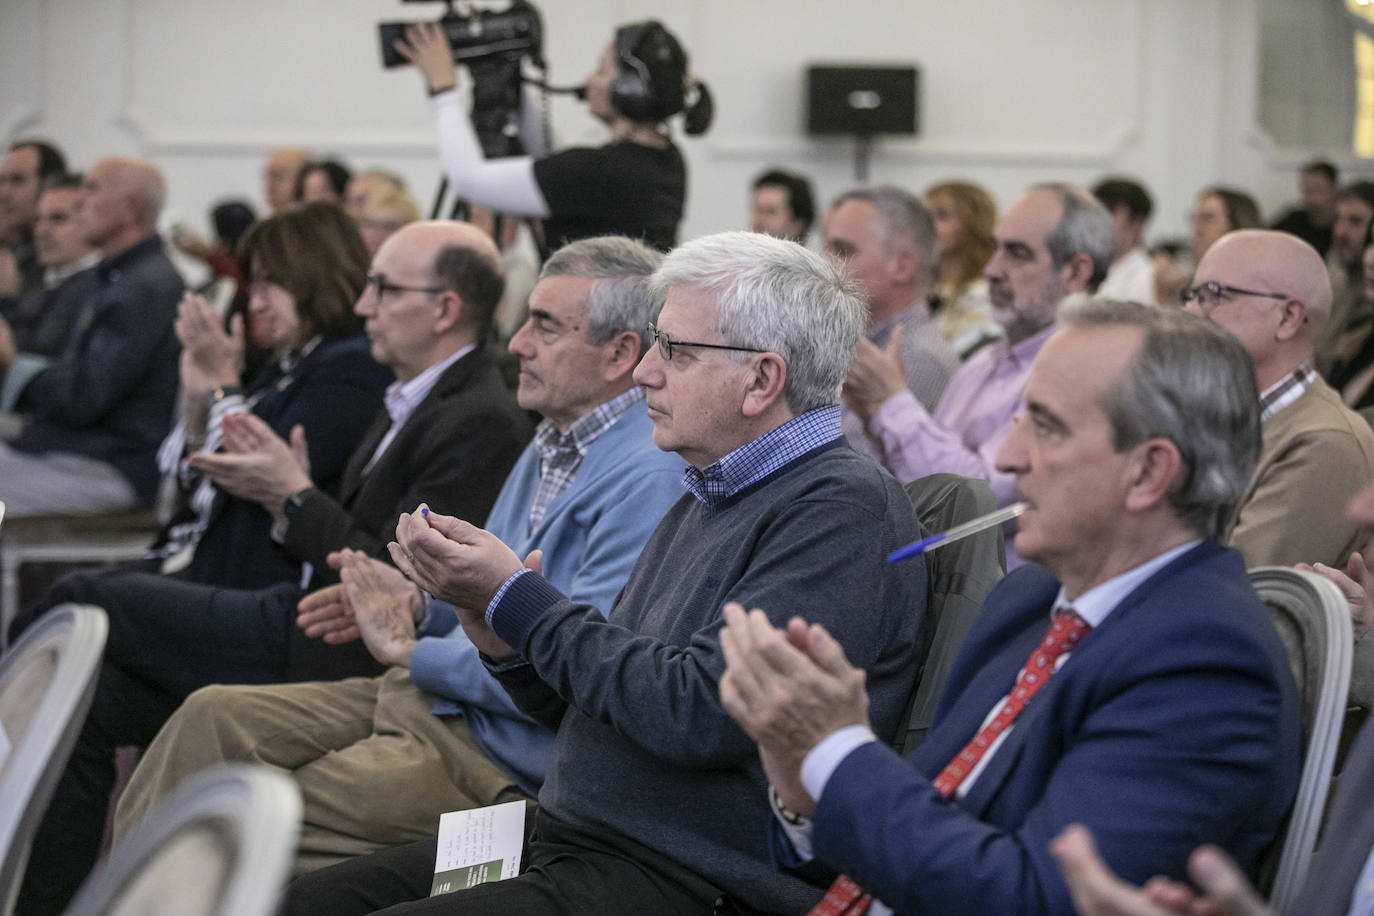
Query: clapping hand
[256, 464]
[875, 374]
[788, 689]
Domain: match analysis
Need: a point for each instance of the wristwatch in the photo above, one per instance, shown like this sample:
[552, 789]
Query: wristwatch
[293, 503]
[784, 812]
[220, 392]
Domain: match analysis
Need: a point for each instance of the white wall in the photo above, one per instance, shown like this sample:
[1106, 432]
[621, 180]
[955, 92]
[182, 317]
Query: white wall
[1011, 92]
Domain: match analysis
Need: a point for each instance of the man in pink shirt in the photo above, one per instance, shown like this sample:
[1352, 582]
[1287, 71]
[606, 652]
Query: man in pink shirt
[1056, 241]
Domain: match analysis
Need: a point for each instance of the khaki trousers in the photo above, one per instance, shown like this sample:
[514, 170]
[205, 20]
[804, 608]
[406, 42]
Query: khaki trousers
[375, 767]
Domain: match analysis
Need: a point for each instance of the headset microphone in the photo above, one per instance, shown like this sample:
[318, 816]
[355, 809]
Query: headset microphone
[579, 91]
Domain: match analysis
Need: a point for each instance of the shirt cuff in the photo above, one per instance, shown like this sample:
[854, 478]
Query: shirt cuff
[895, 412]
[822, 760]
[799, 835]
[501, 592]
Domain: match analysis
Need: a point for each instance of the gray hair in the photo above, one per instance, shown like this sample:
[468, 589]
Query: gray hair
[1192, 383]
[621, 298]
[780, 297]
[1085, 227]
[902, 215]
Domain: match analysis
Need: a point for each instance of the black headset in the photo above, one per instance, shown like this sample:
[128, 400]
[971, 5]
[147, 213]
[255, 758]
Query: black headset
[651, 75]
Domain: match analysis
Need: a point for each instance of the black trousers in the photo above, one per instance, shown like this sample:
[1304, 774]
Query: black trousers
[167, 638]
[566, 871]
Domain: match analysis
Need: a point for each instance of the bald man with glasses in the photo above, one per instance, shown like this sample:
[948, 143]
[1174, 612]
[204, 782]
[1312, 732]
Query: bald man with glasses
[1271, 290]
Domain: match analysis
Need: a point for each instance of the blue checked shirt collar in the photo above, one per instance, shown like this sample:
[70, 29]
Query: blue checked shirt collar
[752, 462]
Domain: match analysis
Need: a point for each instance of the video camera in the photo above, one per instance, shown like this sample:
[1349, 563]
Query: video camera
[494, 45]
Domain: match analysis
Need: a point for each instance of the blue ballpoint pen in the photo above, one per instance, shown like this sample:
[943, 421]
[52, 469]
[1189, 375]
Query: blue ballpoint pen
[915, 548]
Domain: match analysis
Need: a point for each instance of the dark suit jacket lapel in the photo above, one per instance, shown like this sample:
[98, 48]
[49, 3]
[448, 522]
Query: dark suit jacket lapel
[453, 379]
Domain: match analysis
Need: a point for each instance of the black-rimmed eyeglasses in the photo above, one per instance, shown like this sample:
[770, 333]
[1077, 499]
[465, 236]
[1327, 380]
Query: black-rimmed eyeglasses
[666, 344]
[381, 286]
[1208, 295]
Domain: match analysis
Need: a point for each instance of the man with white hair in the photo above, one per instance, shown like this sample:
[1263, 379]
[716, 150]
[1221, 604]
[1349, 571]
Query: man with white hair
[649, 795]
[93, 419]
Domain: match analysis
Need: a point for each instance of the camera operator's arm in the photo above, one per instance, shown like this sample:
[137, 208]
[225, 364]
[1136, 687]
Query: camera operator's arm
[506, 185]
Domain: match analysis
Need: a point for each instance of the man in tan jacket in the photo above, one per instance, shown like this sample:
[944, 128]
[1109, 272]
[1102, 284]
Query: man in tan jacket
[1271, 290]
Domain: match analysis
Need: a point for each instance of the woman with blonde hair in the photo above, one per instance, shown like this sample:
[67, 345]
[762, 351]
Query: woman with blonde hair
[964, 216]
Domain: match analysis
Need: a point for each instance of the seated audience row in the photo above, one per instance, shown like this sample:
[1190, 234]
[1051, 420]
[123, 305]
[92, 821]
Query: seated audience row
[448, 434]
[743, 648]
[1134, 554]
[586, 492]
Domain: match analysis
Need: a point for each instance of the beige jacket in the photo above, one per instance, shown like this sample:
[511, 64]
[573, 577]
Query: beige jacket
[1317, 453]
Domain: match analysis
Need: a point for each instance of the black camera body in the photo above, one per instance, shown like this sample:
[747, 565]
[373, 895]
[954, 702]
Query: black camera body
[493, 44]
[515, 32]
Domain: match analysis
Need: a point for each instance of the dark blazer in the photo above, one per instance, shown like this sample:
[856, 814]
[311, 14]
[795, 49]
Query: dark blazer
[44, 319]
[1174, 723]
[453, 452]
[110, 395]
[325, 392]
[1347, 837]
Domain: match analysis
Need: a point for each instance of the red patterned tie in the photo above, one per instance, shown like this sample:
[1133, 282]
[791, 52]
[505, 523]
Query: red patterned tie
[846, 898]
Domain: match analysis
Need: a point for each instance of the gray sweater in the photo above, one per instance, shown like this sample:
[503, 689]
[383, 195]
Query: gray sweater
[644, 749]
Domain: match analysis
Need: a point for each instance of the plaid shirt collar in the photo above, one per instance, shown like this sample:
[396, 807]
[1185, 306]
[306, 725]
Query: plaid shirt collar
[401, 398]
[585, 429]
[1286, 390]
[755, 460]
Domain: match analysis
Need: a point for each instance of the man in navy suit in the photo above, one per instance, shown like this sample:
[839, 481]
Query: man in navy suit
[1157, 708]
[1338, 881]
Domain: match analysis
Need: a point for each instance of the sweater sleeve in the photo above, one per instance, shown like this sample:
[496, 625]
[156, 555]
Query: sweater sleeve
[663, 697]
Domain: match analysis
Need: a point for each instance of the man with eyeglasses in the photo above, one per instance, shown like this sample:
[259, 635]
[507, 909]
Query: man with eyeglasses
[437, 733]
[653, 796]
[44, 318]
[448, 435]
[1270, 289]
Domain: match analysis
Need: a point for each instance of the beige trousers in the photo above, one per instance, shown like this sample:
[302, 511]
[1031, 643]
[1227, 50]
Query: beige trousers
[375, 767]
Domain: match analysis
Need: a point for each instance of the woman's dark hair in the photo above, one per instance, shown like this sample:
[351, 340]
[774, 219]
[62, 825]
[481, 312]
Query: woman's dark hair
[652, 83]
[232, 218]
[314, 252]
[1241, 210]
[337, 173]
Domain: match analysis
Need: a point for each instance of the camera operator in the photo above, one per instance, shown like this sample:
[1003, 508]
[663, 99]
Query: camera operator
[633, 185]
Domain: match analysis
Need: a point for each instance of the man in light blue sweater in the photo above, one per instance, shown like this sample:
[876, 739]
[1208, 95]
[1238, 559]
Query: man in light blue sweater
[378, 760]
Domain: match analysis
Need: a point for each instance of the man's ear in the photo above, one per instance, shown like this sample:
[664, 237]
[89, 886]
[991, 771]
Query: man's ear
[902, 262]
[1292, 318]
[765, 384]
[1154, 473]
[450, 310]
[622, 355]
[1076, 273]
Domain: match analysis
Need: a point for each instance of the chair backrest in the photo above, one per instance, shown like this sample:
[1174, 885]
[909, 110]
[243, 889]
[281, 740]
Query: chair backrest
[220, 845]
[1313, 620]
[47, 679]
[958, 577]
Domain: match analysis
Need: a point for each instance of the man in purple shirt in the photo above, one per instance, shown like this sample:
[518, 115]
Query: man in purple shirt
[886, 239]
[1056, 241]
